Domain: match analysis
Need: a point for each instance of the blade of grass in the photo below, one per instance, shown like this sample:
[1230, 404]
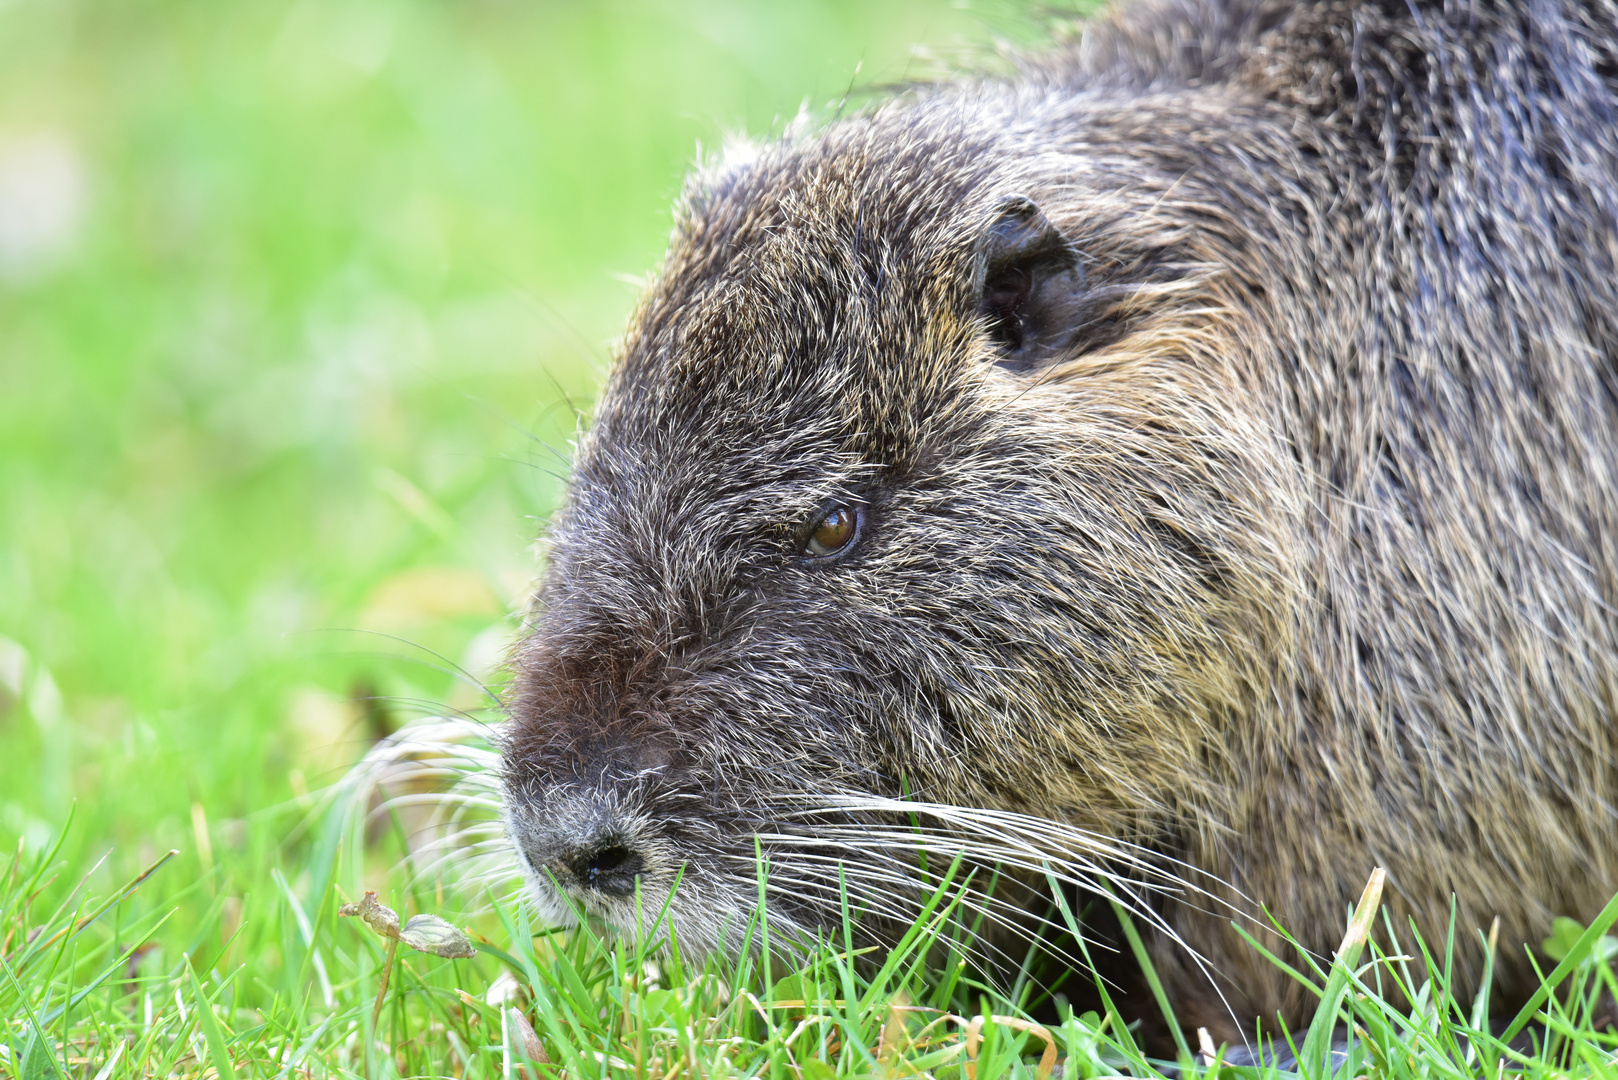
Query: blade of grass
[1281, 965]
[1315, 1059]
[78, 927]
[1581, 949]
[1149, 971]
[1123, 1039]
[38, 1032]
[218, 1049]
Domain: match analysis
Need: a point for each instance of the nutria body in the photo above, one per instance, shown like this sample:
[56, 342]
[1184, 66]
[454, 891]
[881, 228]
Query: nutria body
[1205, 440]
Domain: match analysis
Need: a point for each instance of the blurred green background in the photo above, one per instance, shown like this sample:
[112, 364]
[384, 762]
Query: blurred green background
[297, 306]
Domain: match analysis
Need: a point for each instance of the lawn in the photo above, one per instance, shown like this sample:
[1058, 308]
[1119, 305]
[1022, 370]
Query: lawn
[299, 306]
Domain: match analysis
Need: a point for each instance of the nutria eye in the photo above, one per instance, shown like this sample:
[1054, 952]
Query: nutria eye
[833, 533]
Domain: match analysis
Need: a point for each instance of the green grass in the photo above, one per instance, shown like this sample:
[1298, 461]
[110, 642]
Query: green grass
[298, 305]
[275, 983]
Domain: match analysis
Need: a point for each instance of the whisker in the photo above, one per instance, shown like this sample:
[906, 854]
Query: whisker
[439, 778]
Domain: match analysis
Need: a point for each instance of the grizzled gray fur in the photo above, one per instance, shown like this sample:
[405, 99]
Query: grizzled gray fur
[1192, 460]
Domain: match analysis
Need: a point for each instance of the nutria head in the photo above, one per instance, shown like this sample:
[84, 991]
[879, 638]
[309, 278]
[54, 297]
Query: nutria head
[912, 482]
[1202, 442]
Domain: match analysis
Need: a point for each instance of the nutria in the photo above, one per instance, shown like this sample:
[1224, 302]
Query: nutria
[1193, 455]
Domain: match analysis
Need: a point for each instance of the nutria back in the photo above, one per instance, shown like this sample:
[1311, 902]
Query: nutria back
[1193, 457]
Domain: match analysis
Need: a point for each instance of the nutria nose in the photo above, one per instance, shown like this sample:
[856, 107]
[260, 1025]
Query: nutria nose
[611, 869]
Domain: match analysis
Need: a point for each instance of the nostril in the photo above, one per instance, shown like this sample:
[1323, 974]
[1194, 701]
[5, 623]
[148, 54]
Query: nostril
[611, 869]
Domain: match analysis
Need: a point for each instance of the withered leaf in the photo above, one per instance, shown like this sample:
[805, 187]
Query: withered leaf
[430, 934]
[424, 933]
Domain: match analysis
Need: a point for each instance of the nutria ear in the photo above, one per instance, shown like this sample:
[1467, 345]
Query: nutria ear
[1032, 287]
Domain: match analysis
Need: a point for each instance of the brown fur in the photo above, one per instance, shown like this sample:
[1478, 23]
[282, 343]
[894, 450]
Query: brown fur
[1298, 560]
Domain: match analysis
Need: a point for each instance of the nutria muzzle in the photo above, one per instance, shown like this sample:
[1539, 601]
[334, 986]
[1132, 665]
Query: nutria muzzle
[584, 854]
[601, 860]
